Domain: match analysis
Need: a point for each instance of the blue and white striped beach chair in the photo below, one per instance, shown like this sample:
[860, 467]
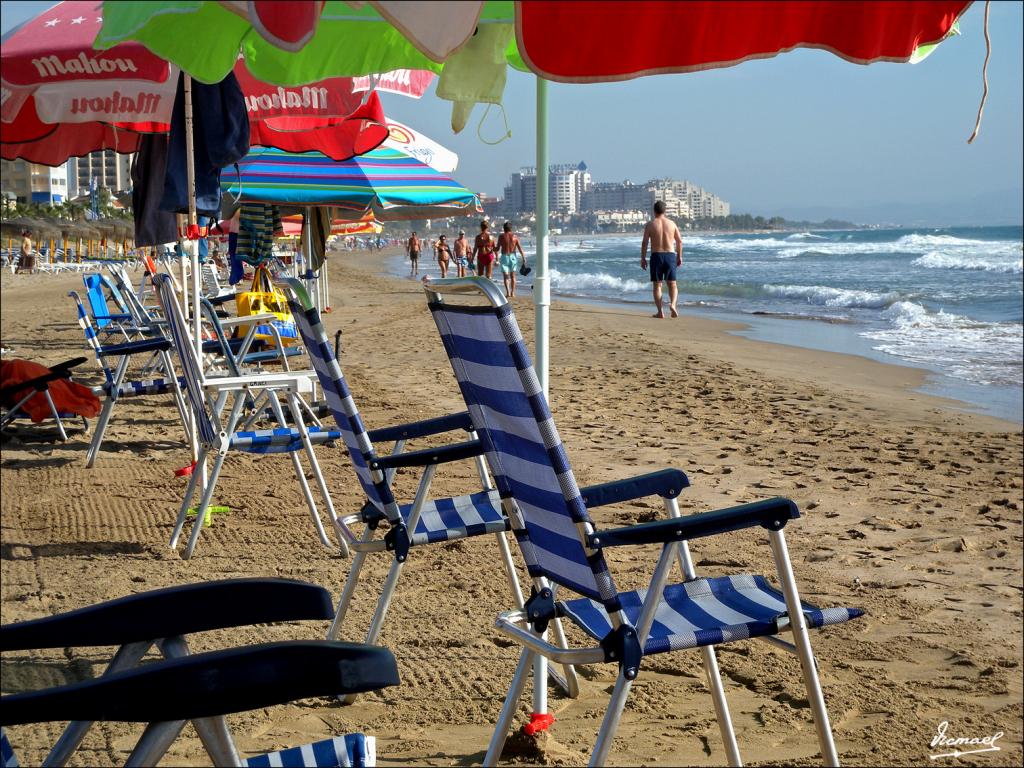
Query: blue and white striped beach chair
[208, 398]
[563, 550]
[200, 688]
[425, 520]
[115, 388]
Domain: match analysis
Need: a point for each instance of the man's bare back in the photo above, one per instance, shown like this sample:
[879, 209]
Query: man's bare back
[662, 232]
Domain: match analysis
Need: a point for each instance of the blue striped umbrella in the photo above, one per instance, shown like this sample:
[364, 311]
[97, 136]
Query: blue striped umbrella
[385, 182]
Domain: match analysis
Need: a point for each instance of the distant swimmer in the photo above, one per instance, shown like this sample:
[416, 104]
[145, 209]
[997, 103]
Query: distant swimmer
[666, 254]
[580, 245]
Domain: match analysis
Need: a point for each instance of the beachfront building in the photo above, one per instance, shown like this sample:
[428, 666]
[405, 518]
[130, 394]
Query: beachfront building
[566, 186]
[110, 170]
[34, 183]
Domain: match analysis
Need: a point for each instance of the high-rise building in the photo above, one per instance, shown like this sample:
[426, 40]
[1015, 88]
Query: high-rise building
[34, 183]
[566, 186]
[110, 169]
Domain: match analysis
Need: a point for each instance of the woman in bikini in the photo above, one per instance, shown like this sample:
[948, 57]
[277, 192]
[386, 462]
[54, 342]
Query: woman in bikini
[444, 254]
[483, 251]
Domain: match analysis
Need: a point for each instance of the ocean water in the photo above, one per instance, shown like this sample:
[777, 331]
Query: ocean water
[947, 300]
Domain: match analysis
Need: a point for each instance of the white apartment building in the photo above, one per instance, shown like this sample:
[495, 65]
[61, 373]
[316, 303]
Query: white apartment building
[566, 186]
[34, 183]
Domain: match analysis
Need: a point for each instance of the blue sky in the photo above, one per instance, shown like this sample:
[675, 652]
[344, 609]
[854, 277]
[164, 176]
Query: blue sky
[802, 133]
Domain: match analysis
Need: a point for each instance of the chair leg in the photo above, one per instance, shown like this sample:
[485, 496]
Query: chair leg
[127, 656]
[101, 427]
[610, 724]
[56, 416]
[803, 648]
[325, 494]
[508, 709]
[211, 485]
[381, 612]
[154, 743]
[568, 681]
[346, 595]
[711, 670]
[190, 490]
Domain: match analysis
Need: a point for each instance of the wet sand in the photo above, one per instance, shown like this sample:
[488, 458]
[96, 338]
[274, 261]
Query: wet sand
[911, 510]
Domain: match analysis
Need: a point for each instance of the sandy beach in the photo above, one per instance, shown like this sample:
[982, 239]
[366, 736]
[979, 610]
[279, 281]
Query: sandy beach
[911, 510]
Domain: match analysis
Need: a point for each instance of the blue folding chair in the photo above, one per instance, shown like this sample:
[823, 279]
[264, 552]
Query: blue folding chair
[200, 688]
[425, 520]
[564, 550]
[217, 435]
[120, 322]
[115, 388]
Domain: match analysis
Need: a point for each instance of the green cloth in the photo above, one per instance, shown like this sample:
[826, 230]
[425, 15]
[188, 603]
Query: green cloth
[476, 72]
[204, 38]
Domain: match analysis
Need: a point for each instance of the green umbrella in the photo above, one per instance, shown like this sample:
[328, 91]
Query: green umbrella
[204, 39]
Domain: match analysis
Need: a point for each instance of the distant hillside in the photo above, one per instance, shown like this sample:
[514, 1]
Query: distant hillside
[990, 208]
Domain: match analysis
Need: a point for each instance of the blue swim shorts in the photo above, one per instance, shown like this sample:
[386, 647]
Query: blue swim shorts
[663, 267]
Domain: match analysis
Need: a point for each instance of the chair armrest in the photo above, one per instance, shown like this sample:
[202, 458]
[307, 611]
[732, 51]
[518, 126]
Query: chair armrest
[223, 298]
[117, 316]
[173, 611]
[211, 684]
[772, 514]
[233, 321]
[427, 456]
[135, 347]
[423, 428]
[667, 483]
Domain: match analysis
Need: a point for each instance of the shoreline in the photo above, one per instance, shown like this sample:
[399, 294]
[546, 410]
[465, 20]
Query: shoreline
[912, 381]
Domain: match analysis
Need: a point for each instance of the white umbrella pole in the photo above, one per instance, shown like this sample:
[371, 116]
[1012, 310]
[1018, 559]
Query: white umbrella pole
[193, 251]
[307, 247]
[542, 302]
[541, 286]
[193, 245]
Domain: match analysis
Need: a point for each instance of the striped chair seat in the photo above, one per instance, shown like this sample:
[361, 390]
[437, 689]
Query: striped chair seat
[352, 750]
[705, 612]
[458, 517]
[137, 388]
[280, 440]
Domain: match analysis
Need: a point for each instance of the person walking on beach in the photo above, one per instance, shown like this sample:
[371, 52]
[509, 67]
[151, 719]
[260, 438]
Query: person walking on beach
[27, 262]
[444, 254]
[461, 251]
[508, 244]
[413, 249]
[666, 254]
[483, 251]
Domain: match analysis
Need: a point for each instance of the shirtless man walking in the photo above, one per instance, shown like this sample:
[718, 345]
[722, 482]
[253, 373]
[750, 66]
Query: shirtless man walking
[508, 244]
[413, 249]
[461, 252]
[666, 254]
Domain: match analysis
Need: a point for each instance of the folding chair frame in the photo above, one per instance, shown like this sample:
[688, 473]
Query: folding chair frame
[624, 645]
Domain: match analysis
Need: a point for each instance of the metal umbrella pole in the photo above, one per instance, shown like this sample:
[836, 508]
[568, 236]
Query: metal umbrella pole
[193, 252]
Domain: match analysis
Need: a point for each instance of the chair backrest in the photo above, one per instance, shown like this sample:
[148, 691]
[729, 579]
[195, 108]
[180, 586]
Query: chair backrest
[132, 302]
[90, 336]
[94, 285]
[339, 397]
[211, 283]
[190, 369]
[511, 416]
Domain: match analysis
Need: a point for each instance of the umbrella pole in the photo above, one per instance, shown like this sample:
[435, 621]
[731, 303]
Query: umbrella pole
[542, 302]
[307, 247]
[193, 252]
[541, 287]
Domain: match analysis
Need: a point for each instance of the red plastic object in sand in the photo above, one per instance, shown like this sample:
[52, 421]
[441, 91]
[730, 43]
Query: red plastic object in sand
[185, 471]
[539, 721]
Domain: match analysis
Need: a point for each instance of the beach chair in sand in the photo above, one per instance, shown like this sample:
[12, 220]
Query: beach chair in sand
[115, 388]
[107, 322]
[564, 550]
[425, 520]
[202, 688]
[19, 394]
[209, 399]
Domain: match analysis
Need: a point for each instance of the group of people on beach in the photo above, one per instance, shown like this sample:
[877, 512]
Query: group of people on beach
[506, 250]
[660, 234]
